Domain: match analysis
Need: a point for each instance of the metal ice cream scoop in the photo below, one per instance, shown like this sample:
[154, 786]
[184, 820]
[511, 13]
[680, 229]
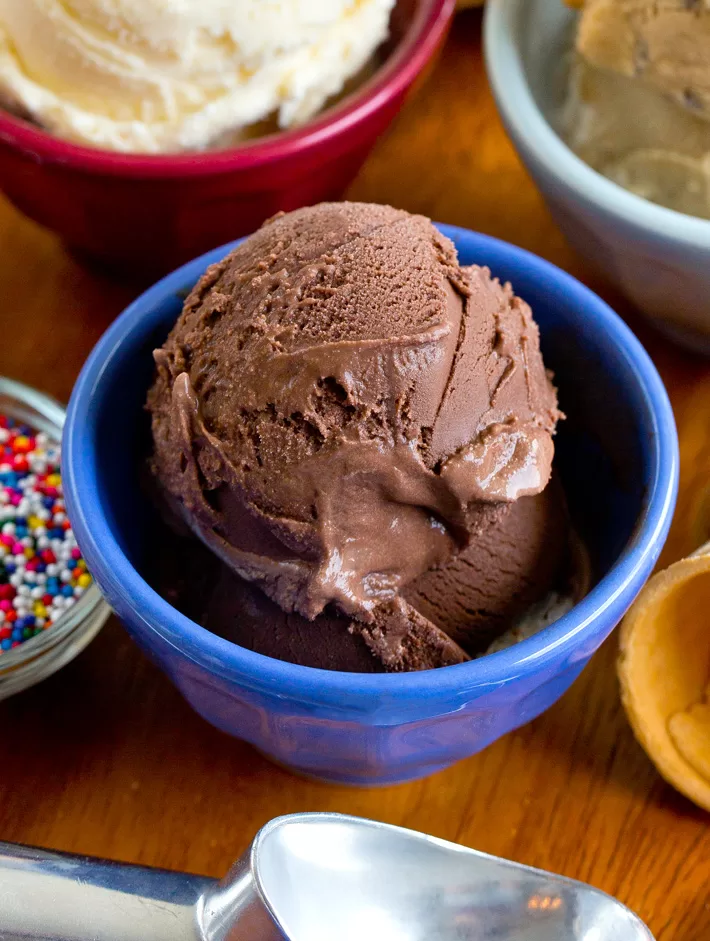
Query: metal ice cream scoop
[308, 877]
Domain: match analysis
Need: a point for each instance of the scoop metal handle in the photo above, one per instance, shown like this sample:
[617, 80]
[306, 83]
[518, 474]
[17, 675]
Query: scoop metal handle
[58, 897]
[308, 877]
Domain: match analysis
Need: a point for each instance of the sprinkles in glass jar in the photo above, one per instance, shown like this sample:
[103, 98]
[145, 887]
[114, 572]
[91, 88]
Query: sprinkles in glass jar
[42, 573]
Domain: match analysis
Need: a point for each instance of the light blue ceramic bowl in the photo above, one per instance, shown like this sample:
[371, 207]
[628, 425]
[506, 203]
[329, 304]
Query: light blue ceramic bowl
[658, 257]
[618, 457]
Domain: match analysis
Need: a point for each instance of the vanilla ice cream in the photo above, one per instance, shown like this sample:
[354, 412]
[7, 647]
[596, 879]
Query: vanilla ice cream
[157, 76]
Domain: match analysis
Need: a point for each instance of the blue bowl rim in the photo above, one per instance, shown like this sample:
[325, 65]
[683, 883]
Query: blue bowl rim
[368, 692]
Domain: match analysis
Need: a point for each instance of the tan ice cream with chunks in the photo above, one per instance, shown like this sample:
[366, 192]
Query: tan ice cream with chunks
[639, 104]
[663, 44]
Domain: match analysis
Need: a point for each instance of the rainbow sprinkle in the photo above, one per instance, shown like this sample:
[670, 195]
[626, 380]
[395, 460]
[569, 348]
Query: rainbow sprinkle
[42, 573]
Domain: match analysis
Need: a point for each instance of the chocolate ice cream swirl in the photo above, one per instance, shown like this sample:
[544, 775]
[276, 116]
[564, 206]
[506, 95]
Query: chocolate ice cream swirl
[341, 407]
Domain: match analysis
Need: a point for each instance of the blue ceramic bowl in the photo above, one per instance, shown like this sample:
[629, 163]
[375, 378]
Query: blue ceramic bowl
[618, 457]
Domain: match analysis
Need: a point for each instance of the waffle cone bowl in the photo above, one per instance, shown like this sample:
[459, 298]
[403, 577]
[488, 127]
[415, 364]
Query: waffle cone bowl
[664, 671]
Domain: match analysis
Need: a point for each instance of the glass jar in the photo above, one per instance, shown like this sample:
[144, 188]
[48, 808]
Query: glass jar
[40, 656]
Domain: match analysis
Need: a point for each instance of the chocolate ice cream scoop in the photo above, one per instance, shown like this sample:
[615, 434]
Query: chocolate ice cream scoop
[341, 407]
[483, 590]
[454, 612]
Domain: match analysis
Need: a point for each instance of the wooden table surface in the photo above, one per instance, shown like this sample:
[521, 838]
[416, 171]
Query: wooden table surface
[105, 758]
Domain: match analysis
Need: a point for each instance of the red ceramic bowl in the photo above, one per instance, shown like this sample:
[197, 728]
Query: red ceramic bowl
[148, 214]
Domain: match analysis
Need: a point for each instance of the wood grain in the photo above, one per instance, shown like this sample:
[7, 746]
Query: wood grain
[106, 758]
